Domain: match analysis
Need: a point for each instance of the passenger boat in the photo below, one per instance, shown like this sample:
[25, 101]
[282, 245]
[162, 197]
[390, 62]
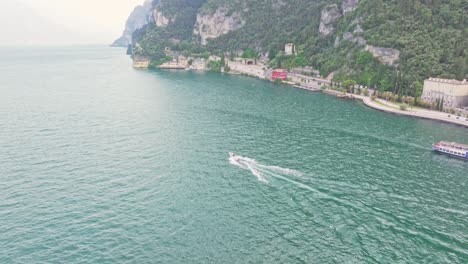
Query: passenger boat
[452, 149]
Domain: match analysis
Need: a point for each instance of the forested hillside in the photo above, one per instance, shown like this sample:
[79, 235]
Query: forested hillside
[391, 44]
[432, 36]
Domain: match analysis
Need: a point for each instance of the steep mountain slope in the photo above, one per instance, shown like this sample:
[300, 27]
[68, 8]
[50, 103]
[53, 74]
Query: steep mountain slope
[139, 18]
[390, 44]
[431, 38]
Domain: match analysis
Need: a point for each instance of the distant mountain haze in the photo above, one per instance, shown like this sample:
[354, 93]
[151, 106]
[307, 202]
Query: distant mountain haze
[63, 22]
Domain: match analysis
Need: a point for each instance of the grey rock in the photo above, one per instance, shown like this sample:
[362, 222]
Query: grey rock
[358, 30]
[160, 19]
[386, 56]
[357, 21]
[348, 36]
[330, 14]
[349, 6]
[360, 41]
[210, 26]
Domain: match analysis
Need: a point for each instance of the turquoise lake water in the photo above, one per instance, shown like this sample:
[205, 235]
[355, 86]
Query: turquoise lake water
[101, 163]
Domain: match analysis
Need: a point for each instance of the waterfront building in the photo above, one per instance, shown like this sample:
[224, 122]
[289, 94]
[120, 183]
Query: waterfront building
[141, 62]
[279, 74]
[452, 93]
[198, 64]
[182, 60]
[173, 64]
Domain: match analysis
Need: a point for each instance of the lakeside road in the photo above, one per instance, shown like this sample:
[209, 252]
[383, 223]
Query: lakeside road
[251, 70]
[388, 107]
[380, 104]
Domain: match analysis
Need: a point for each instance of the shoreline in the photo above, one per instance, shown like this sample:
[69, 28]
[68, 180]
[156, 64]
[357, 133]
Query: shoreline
[383, 106]
[415, 113]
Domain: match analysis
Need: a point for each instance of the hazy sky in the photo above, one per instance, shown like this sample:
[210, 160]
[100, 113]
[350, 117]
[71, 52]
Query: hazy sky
[45, 22]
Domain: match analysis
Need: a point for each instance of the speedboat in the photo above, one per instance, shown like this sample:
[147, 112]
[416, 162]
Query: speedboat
[234, 156]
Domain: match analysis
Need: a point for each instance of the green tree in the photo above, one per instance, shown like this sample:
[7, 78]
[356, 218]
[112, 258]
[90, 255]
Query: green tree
[223, 60]
[418, 88]
[272, 52]
[349, 85]
[249, 54]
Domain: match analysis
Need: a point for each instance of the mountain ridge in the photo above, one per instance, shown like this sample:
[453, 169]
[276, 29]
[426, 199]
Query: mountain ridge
[388, 44]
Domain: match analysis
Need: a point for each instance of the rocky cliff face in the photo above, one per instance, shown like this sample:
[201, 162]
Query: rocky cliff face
[386, 56]
[210, 26]
[160, 19]
[349, 6]
[139, 18]
[330, 14]
[358, 28]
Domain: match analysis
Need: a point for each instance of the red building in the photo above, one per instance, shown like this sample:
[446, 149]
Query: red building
[279, 74]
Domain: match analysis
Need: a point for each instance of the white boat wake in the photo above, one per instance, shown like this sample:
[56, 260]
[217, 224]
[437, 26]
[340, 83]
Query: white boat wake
[261, 171]
[258, 169]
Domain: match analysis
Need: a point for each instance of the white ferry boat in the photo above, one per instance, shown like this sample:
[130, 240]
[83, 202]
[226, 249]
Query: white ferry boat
[452, 149]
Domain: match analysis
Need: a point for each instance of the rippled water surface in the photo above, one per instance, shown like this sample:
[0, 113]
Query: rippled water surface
[101, 163]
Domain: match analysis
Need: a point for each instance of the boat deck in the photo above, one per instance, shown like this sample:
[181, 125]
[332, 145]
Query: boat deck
[454, 145]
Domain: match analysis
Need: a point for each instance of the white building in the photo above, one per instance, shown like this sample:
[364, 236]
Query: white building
[289, 49]
[453, 93]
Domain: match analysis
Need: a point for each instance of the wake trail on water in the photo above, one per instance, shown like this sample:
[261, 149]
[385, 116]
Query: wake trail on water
[259, 170]
[248, 164]
[400, 224]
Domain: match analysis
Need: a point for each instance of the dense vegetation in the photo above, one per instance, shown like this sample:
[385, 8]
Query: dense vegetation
[432, 36]
[177, 35]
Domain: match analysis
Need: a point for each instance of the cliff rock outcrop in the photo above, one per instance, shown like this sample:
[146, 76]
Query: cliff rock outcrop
[330, 14]
[329, 34]
[210, 26]
[386, 56]
[160, 19]
[139, 18]
[349, 6]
